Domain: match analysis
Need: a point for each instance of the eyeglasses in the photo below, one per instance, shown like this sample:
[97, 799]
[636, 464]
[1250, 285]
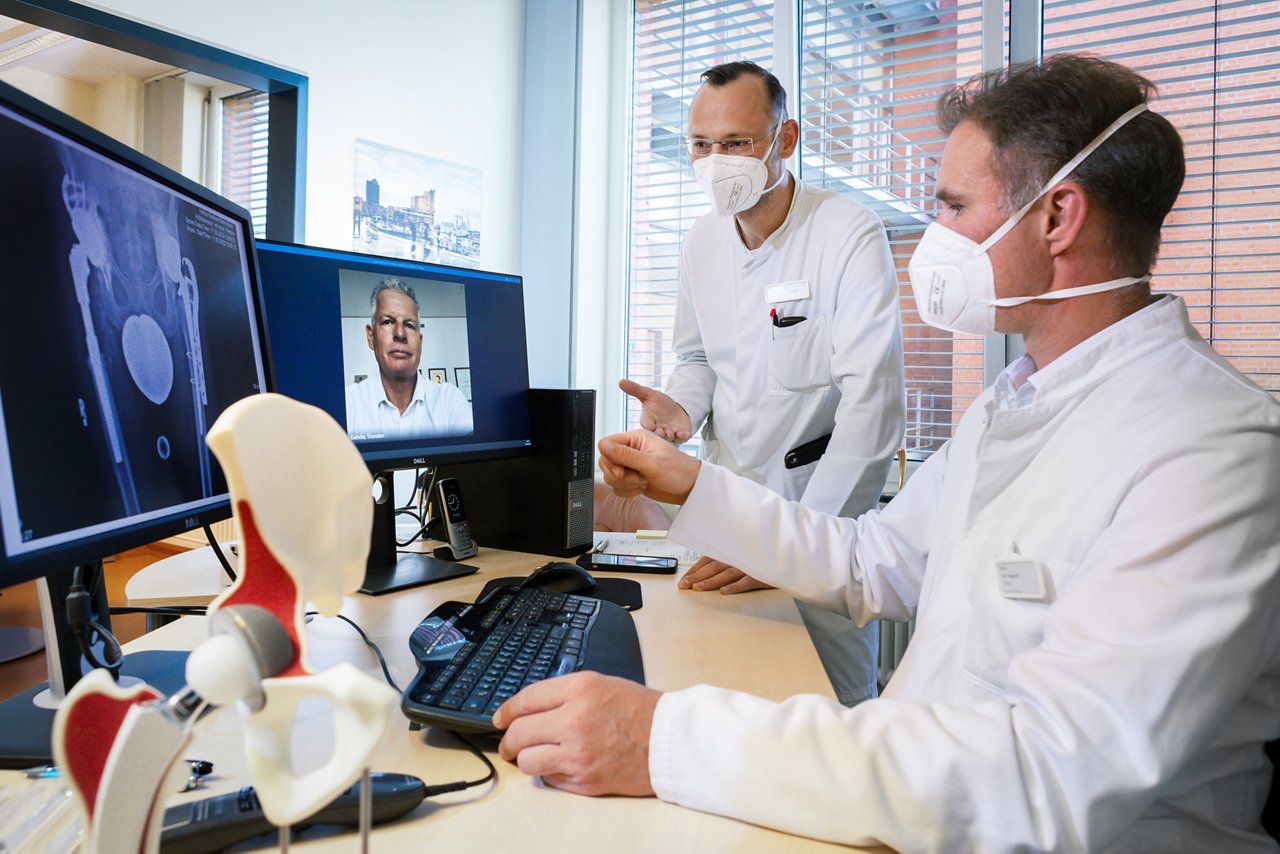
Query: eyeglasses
[739, 145]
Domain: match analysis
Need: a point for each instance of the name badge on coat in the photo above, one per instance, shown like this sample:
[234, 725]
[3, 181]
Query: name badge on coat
[786, 291]
[1024, 579]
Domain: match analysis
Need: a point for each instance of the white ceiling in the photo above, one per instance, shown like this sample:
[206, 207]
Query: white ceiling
[74, 59]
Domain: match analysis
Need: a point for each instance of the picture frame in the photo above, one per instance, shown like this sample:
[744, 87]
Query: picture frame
[438, 375]
[463, 380]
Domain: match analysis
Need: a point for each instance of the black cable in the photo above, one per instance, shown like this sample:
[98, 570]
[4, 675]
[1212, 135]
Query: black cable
[422, 528]
[170, 610]
[424, 521]
[432, 791]
[417, 484]
[442, 788]
[382, 661]
[89, 633]
[217, 549]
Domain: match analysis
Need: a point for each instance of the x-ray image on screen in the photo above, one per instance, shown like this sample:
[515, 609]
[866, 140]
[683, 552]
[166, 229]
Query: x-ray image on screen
[116, 289]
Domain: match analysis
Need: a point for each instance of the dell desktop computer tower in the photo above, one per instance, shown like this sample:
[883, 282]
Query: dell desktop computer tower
[542, 502]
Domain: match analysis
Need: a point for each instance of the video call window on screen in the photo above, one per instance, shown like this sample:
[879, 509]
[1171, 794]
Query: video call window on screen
[405, 357]
[128, 327]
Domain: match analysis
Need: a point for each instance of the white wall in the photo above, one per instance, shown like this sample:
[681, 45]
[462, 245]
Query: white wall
[436, 77]
[113, 106]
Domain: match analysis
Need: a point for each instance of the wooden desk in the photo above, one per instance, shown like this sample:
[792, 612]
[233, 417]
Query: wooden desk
[753, 642]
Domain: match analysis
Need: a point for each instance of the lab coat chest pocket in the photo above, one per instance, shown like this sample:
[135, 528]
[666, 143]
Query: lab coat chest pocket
[1002, 626]
[800, 356]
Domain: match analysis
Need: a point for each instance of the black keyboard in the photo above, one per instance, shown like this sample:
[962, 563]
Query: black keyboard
[472, 657]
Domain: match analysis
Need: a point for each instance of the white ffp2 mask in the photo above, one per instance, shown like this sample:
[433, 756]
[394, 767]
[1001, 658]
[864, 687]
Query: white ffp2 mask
[735, 182]
[951, 276]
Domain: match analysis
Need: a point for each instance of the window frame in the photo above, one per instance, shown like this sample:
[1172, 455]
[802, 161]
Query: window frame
[287, 90]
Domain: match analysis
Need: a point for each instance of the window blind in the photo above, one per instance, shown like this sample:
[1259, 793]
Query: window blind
[870, 74]
[1218, 70]
[244, 154]
[673, 42]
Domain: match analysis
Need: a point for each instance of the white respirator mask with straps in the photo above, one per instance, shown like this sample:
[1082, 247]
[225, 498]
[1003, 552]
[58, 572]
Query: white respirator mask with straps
[952, 278]
[735, 182]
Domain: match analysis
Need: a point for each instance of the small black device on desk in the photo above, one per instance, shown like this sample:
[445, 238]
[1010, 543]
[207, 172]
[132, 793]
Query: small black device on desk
[629, 563]
[448, 504]
[561, 577]
[215, 823]
[473, 657]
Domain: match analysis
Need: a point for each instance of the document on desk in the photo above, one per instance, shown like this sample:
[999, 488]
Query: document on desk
[631, 544]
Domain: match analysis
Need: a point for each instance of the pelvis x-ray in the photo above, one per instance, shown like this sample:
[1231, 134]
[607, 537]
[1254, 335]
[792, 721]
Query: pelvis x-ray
[139, 300]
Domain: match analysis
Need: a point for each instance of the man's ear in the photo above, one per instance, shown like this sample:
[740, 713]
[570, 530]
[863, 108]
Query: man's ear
[788, 138]
[1066, 207]
[368, 335]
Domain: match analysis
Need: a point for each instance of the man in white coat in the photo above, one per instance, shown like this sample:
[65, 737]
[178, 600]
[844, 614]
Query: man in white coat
[1093, 560]
[786, 331]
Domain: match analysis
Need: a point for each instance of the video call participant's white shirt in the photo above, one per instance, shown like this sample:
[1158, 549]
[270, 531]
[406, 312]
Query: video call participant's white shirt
[437, 409]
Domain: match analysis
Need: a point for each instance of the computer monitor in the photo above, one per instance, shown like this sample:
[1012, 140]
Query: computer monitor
[129, 320]
[444, 381]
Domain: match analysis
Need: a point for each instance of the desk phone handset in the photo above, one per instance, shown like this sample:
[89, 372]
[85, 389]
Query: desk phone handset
[453, 518]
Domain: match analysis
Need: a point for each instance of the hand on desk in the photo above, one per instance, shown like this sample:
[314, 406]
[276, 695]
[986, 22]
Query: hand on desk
[584, 733]
[659, 413]
[711, 574]
[639, 463]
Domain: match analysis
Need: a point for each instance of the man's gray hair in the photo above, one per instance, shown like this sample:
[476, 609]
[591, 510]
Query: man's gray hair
[391, 284]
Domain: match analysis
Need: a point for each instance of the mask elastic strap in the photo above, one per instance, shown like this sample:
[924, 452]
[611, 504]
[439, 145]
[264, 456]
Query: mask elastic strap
[1066, 293]
[783, 169]
[1066, 170]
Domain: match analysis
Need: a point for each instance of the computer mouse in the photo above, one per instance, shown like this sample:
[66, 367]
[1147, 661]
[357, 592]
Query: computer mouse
[560, 577]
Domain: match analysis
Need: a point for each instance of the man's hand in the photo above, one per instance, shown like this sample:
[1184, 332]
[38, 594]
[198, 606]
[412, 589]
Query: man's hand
[659, 413]
[639, 463]
[584, 733]
[711, 574]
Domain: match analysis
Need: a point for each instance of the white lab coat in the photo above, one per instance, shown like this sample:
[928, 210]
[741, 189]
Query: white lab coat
[771, 388]
[1127, 713]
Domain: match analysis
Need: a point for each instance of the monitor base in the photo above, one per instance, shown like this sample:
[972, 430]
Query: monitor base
[26, 728]
[411, 570]
[19, 642]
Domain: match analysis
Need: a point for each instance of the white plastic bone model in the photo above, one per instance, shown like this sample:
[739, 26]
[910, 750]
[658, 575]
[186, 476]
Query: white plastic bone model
[301, 497]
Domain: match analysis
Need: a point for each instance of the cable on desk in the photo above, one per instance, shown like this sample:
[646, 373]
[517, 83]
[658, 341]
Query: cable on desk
[432, 791]
[442, 788]
[382, 661]
[217, 550]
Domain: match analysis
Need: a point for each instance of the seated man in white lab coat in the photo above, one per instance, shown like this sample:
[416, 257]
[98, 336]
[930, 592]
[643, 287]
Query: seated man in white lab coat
[1093, 560]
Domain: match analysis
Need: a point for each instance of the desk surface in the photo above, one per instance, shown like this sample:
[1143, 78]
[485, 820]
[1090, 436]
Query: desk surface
[753, 642]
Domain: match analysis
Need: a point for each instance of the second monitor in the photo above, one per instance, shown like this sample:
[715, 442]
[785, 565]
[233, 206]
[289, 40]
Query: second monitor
[422, 363]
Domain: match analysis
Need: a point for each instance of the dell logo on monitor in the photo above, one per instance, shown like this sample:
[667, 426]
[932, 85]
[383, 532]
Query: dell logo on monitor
[191, 522]
[419, 461]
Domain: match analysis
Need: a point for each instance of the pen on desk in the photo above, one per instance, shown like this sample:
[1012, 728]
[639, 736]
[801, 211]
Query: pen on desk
[600, 547]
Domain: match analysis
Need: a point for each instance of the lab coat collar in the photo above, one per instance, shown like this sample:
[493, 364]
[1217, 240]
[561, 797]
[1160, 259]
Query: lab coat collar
[1018, 421]
[1095, 358]
[770, 245]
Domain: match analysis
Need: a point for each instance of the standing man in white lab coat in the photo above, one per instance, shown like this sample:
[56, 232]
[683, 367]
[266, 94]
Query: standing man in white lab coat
[1093, 560]
[786, 332]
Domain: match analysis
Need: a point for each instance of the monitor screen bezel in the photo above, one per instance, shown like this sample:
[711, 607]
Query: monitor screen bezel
[65, 555]
[380, 459]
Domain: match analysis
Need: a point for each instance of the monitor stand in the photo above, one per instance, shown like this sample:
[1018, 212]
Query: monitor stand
[388, 569]
[19, 642]
[26, 719]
